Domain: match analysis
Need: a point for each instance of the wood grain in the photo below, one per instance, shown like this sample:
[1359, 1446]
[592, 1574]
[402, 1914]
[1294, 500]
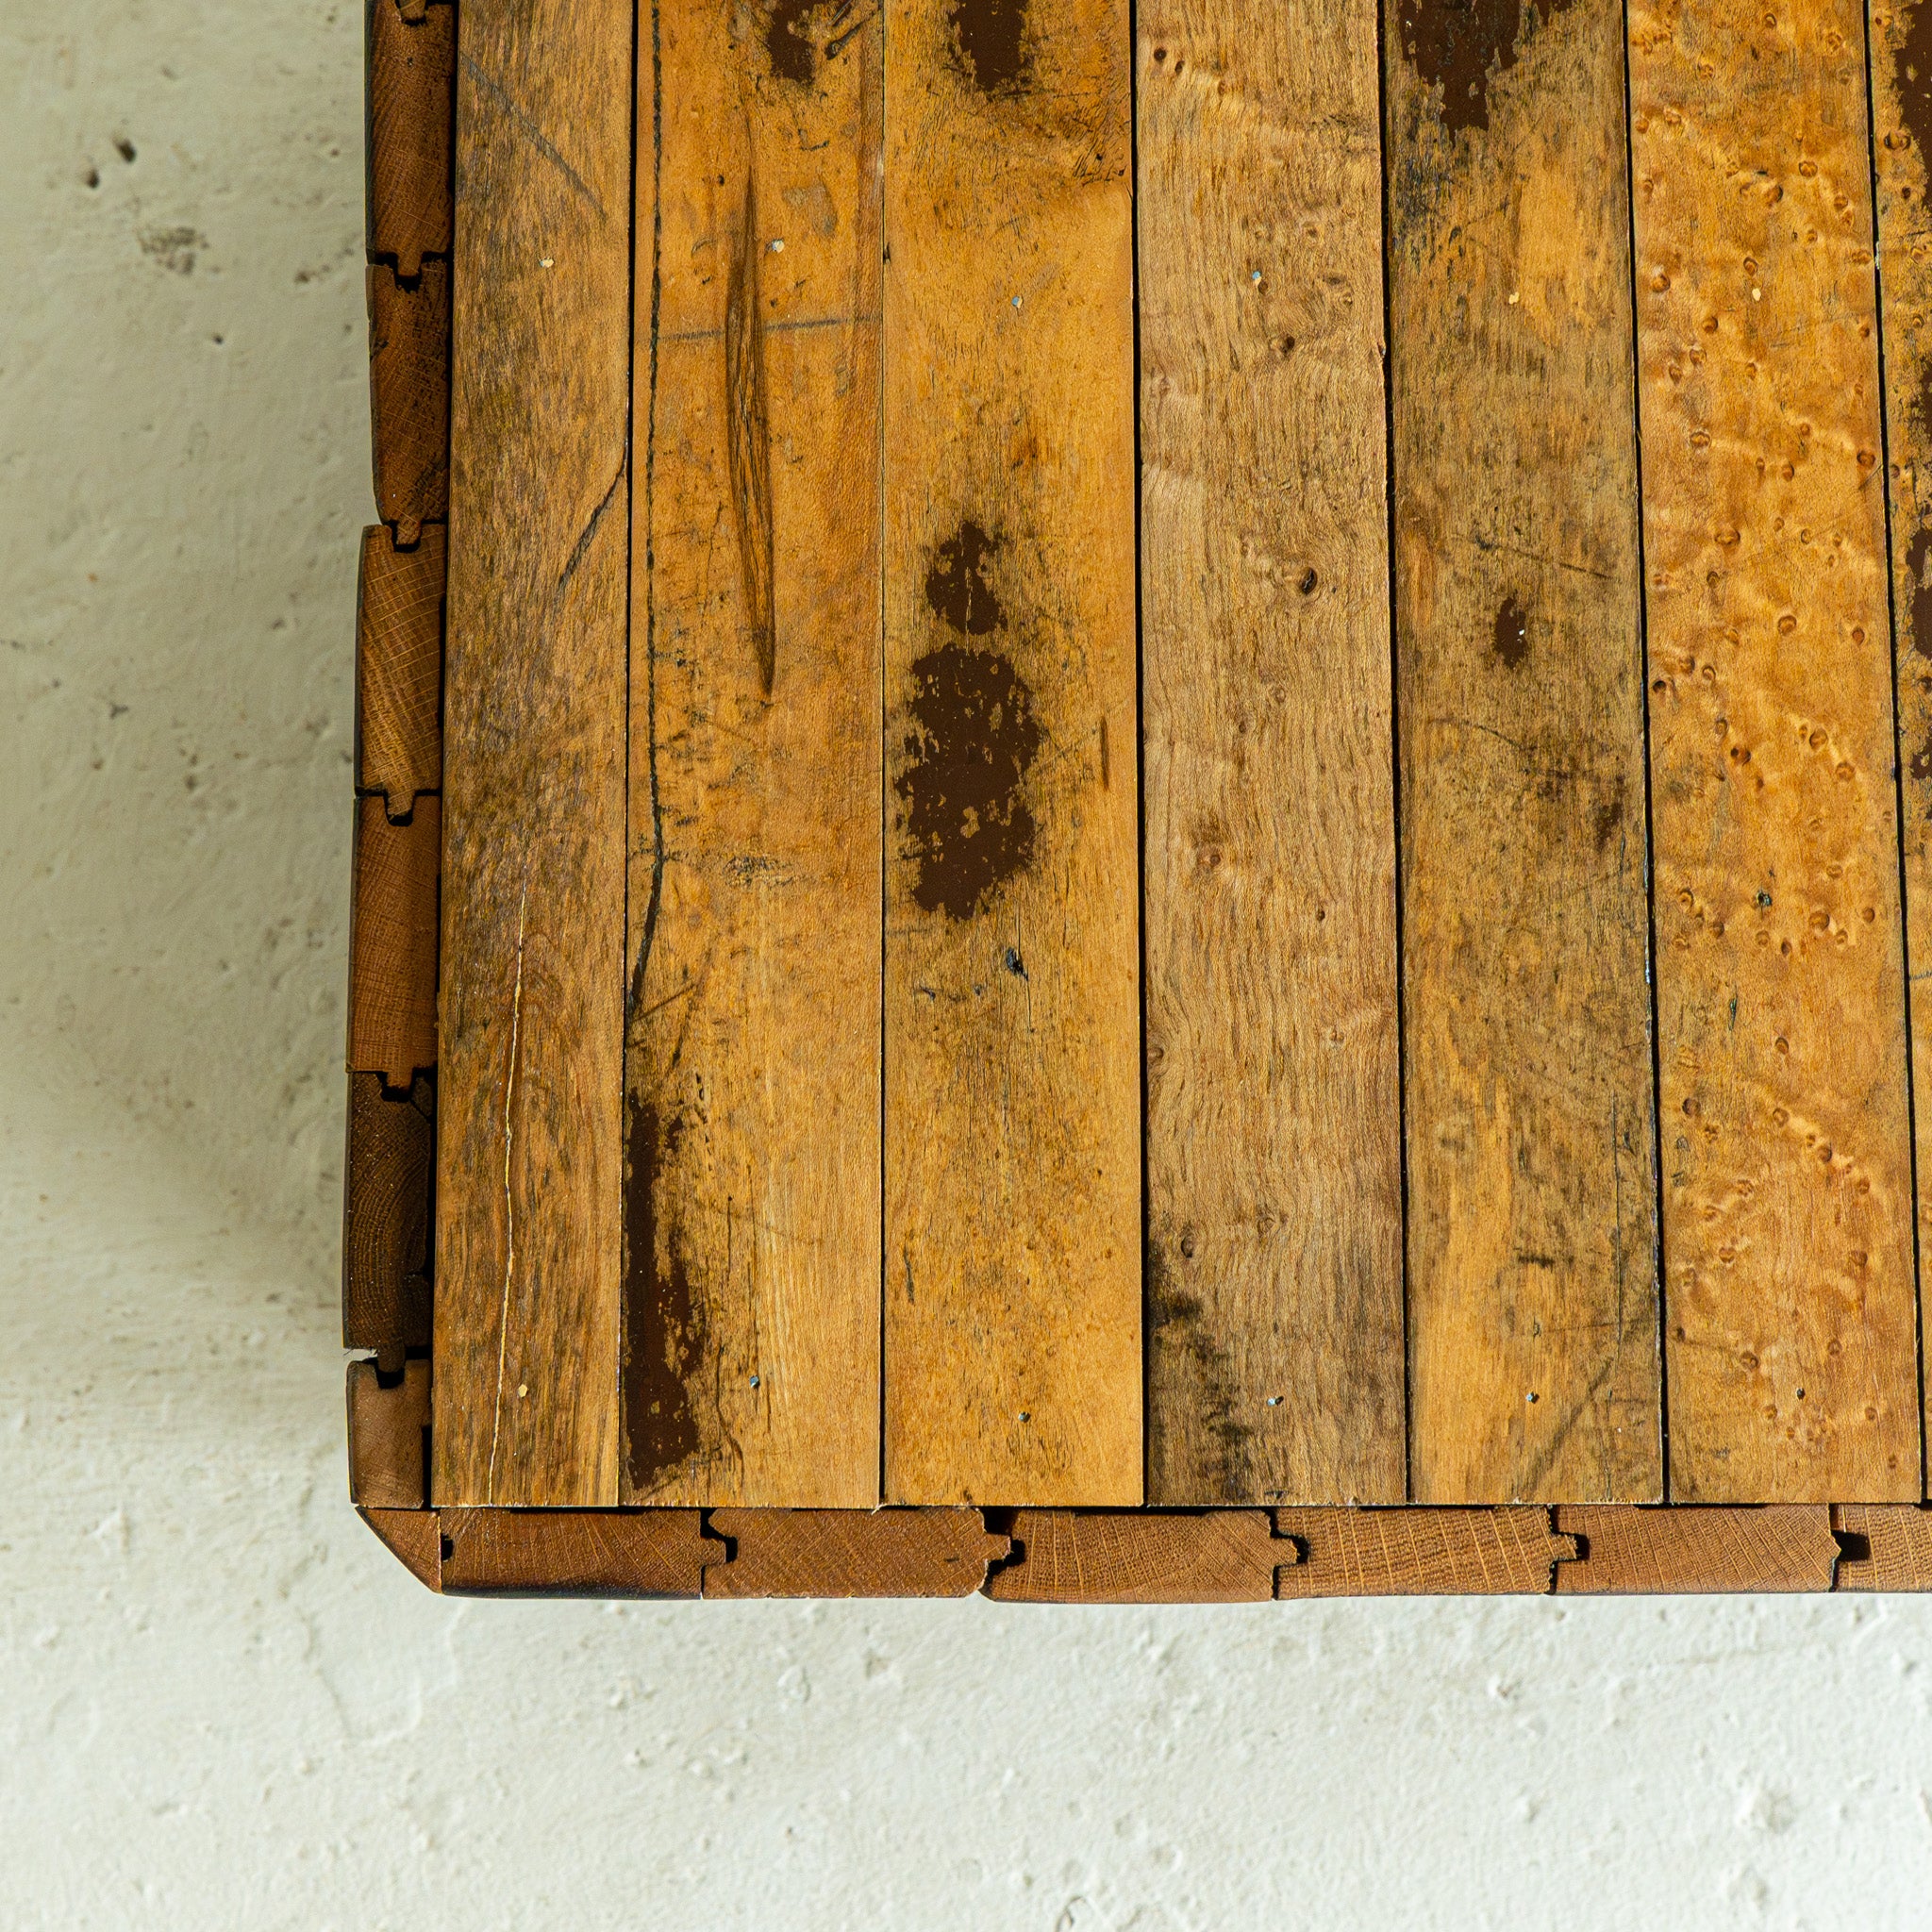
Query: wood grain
[1420, 1552]
[1116, 1557]
[409, 397]
[1780, 979]
[1013, 1352]
[1890, 1546]
[1694, 1552]
[752, 1271]
[1901, 65]
[411, 132]
[388, 1436]
[597, 1553]
[1273, 1136]
[850, 1553]
[389, 1159]
[530, 1101]
[412, 1537]
[392, 942]
[1533, 1320]
[399, 667]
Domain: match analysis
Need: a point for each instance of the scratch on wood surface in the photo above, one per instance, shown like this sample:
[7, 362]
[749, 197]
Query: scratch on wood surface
[581, 547]
[509, 1219]
[530, 131]
[749, 446]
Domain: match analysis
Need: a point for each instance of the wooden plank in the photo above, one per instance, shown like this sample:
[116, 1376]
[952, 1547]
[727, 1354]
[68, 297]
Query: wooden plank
[531, 1131]
[413, 1537]
[1887, 1546]
[1011, 1003]
[751, 1271]
[1780, 979]
[1901, 64]
[1420, 1552]
[1533, 1323]
[599, 1552]
[390, 1156]
[850, 1553]
[388, 1456]
[399, 667]
[1273, 1137]
[409, 396]
[410, 133]
[1113, 1557]
[393, 941]
[1688, 1552]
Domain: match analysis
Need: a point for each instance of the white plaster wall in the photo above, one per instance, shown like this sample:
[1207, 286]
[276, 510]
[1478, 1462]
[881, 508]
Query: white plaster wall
[221, 1704]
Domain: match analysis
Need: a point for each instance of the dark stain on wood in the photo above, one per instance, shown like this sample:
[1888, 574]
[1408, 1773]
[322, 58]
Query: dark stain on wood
[1911, 76]
[973, 740]
[791, 44]
[1609, 815]
[663, 1320]
[749, 438]
[1512, 633]
[957, 586]
[1460, 45]
[1177, 1325]
[990, 44]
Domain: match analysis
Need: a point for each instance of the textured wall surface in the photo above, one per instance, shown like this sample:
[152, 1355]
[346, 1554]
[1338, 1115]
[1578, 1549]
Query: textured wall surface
[222, 1704]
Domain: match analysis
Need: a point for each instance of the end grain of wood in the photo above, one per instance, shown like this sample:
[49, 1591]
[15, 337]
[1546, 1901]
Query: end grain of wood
[1780, 976]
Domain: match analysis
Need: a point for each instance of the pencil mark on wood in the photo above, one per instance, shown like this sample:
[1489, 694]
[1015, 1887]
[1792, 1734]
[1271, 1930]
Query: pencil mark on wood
[580, 549]
[749, 446]
[530, 131]
[509, 1213]
[991, 45]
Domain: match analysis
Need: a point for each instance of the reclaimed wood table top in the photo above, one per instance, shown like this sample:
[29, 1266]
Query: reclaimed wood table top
[1180, 762]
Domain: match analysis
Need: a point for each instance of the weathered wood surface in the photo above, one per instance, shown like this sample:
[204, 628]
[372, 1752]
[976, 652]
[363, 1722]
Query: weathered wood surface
[392, 942]
[849, 1552]
[410, 66]
[1446, 1552]
[1533, 1320]
[389, 1157]
[399, 667]
[600, 1553]
[409, 395]
[1787, 1196]
[751, 1079]
[1697, 1551]
[1118, 1557]
[1901, 62]
[1012, 1246]
[531, 1130]
[1273, 1131]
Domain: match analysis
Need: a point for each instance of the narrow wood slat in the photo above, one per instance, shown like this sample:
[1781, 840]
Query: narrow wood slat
[388, 1159]
[752, 1270]
[850, 1553]
[600, 1553]
[1013, 1368]
[387, 1456]
[1780, 983]
[1421, 1552]
[1901, 58]
[529, 1142]
[1533, 1347]
[393, 941]
[1113, 1557]
[1274, 1140]
[399, 667]
[409, 397]
[1697, 1551]
[410, 64]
